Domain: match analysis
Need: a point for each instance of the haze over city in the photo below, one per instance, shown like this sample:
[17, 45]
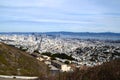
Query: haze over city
[59, 15]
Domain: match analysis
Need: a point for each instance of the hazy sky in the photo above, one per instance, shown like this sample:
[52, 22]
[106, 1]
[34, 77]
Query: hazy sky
[59, 15]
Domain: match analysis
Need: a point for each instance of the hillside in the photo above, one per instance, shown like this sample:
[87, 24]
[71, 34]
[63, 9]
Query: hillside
[106, 71]
[16, 62]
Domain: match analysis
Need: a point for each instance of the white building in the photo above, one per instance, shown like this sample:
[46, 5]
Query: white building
[63, 67]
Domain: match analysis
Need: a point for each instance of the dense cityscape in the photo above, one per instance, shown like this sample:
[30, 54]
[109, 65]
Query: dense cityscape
[81, 52]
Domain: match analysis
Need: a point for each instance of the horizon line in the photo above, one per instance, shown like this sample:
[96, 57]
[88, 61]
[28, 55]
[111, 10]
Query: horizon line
[58, 32]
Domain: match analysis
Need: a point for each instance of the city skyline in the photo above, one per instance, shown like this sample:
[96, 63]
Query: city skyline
[63, 15]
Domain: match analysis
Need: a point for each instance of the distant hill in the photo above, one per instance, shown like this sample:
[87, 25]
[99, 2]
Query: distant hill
[64, 33]
[80, 35]
[16, 62]
[87, 35]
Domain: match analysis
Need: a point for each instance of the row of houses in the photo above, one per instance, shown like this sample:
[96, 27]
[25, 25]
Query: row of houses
[54, 64]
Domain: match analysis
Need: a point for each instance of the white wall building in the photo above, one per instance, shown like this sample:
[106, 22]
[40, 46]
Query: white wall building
[63, 67]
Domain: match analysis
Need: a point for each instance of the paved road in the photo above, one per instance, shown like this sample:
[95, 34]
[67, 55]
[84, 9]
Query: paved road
[5, 77]
[10, 79]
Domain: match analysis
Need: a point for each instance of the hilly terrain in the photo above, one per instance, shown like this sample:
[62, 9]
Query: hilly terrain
[16, 62]
[106, 71]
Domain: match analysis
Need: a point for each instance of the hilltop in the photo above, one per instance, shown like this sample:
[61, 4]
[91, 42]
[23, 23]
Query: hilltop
[16, 62]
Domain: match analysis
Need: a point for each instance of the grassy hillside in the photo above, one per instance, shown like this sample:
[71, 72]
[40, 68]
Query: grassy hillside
[16, 62]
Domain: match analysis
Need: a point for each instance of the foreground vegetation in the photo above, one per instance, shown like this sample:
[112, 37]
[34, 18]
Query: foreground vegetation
[106, 71]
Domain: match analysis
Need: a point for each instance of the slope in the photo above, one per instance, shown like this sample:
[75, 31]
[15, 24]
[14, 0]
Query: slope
[16, 62]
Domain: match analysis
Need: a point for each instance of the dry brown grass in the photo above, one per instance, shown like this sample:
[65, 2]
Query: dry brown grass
[12, 59]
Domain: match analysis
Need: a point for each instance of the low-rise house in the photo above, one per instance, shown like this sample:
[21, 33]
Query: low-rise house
[43, 58]
[46, 57]
[40, 58]
[48, 62]
[63, 67]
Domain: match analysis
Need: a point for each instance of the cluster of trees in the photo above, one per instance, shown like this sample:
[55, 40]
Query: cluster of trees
[58, 55]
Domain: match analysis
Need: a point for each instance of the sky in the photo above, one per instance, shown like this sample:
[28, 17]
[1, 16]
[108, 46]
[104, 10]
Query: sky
[60, 15]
